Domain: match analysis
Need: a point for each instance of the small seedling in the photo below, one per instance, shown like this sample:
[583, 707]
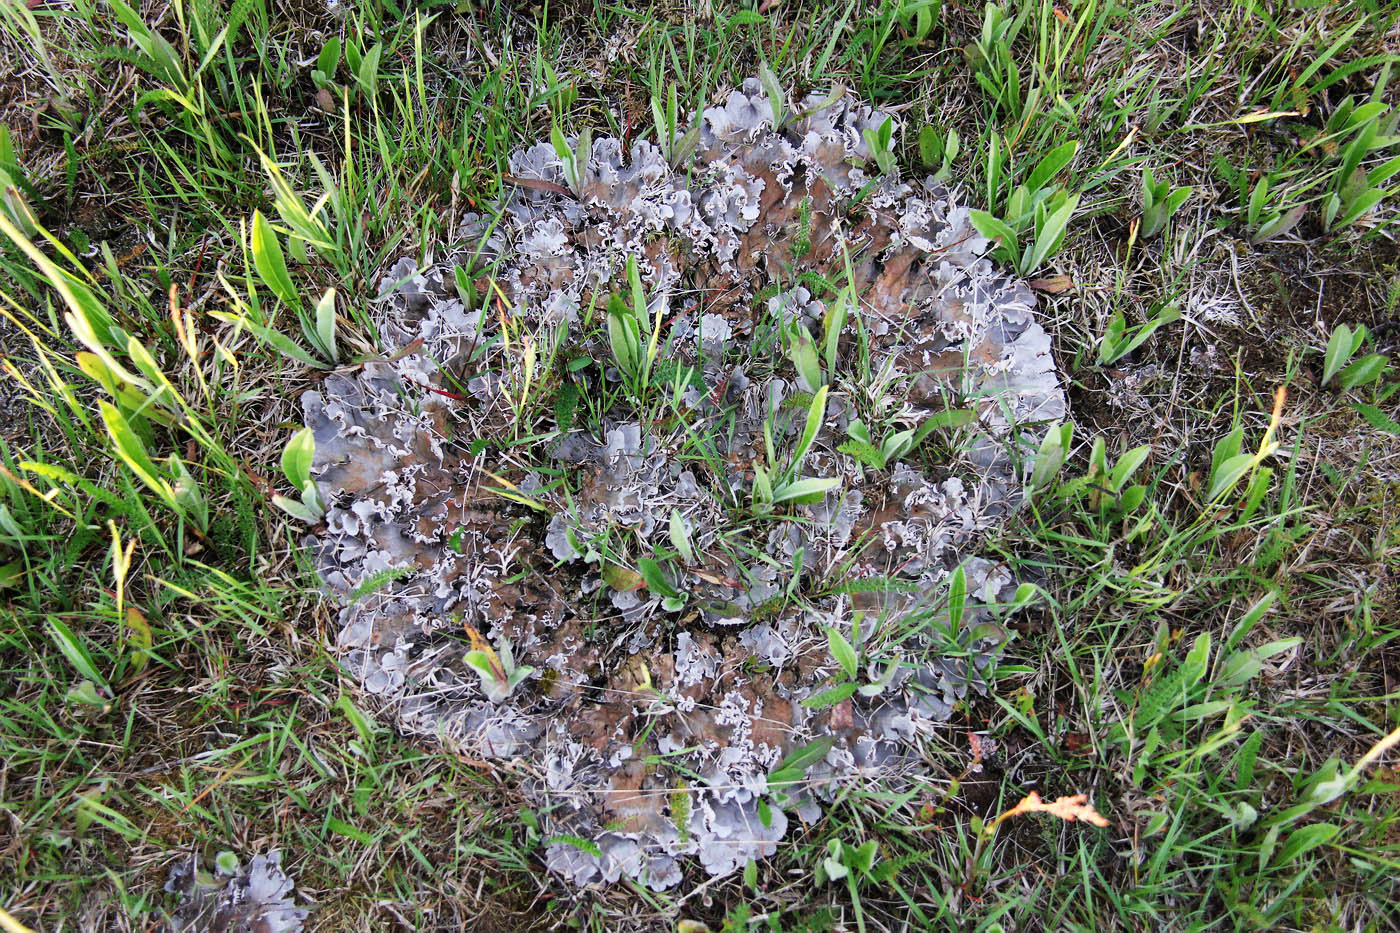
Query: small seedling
[802, 350]
[773, 487]
[876, 456]
[938, 150]
[176, 487]
[1031, 226]
[881, 144]
[498, 671]
[634, 334]
[777, 97]
[1054, 450]
[1159, 202]
[853, 864]
[1341, 347]
[1228, 465]
[849, 663]
[658, 581]
[323, 73]
[675, 146]
[574, 159]
[296, 467]
[1119, 339]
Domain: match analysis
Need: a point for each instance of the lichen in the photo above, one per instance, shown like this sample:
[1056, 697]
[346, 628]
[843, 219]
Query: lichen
[463, 491]
[257, 898]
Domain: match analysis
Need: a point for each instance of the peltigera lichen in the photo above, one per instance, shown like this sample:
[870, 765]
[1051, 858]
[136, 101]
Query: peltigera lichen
[637, 485]
[252, 899]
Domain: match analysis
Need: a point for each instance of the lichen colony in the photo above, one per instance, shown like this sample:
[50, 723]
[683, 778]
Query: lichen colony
[620, 528]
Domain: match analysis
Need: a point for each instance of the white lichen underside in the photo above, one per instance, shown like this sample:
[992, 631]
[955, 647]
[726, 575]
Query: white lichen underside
[650, 774]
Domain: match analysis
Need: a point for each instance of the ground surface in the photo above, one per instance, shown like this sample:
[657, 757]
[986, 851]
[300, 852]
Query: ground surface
[1214, 667]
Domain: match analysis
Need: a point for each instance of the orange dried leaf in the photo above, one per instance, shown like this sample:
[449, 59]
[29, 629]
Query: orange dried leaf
[484, 646]
[1075, 807]
[1070, 809]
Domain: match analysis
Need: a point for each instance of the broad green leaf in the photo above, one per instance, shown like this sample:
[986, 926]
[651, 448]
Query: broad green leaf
[861, 858]
[1302, 841]
[834, 321]
[1127, 465]
[329, 59]
[777, 98]
[1356, 150]
[1225, 448]
[188, 494]
[1251, 618]
[762, 486]
[1049, 236]
[898, 444]
[957, 598]
[951, 418]
[1229, 474]
[842, 651]
[802, 350]
[133, 453]
[680, 538]
[1238, 669]
[623, 344]
[1054, 449]
[120, 389]
[298, 456]
[269, 261]
[1051, 165]
[1383, 172]
[481, 662]
[829, 698]
[325, 325]
[1257, 198]
[1362, 205]
[800, 759]
[1278, 647]
[297, 510]
[993, 228]
[146, 364]
[804, 491]
[1279, 224]
[1367, 369]
[342, 828]
[1132, 497]
[75, 651]
[86, 692]
[816, 414]
[930, 146]
[368, 73]
[1193, 668]
[655, 577]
